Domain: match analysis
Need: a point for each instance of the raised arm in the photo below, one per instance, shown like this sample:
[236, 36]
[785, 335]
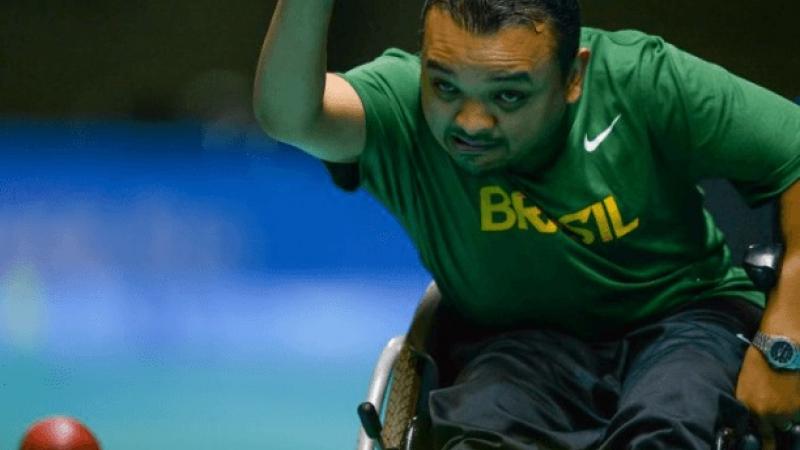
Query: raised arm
[295, 100]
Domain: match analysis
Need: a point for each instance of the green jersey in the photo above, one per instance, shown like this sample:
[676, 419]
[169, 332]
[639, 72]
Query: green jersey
[611, 234]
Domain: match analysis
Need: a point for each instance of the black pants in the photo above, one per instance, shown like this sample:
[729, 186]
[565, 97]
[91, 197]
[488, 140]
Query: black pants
[666, 385]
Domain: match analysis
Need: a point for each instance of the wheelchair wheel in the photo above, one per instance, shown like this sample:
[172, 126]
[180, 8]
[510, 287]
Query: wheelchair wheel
[402, 401]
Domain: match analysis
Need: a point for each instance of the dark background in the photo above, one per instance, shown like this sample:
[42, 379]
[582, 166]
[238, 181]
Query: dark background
[143, 59]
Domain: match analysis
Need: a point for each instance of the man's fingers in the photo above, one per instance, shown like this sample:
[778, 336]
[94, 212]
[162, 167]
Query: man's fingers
[767, 432]
[768, 427]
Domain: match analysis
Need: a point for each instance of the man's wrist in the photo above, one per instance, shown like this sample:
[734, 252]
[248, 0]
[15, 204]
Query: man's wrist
[781, 352]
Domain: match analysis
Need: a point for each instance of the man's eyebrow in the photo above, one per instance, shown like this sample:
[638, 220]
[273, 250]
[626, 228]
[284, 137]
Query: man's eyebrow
[512, 76]
[436, 65]
[500, 76]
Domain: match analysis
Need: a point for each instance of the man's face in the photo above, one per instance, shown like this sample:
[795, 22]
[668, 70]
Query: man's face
[493, 101]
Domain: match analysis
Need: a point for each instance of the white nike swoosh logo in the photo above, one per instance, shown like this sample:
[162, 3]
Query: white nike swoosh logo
[591, 145]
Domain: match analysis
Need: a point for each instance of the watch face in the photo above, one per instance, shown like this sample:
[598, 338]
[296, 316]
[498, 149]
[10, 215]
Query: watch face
[781, 352]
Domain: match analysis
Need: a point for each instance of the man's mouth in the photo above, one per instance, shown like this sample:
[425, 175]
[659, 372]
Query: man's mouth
[472, 145]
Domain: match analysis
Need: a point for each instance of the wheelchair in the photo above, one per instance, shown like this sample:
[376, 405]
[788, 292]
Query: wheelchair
[406, 373]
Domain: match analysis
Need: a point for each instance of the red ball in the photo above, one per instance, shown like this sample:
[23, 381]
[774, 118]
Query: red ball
[59, 433]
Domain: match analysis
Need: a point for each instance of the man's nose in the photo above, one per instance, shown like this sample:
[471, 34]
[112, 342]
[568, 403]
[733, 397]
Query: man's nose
[473, 118]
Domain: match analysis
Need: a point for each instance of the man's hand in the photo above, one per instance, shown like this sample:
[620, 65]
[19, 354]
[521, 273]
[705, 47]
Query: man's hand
[773, 397]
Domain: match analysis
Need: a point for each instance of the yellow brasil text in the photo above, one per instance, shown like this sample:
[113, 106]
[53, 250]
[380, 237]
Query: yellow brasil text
[501, 211]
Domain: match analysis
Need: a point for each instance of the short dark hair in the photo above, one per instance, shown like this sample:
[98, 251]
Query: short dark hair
[489, 16]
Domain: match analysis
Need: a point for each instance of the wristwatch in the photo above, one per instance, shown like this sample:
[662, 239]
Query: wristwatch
[781, 352]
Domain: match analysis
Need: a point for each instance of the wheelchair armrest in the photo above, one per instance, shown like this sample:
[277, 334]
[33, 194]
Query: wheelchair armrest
[727, 439]
[762, 263]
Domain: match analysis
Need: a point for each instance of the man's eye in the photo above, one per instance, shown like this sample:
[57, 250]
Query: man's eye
[444, 87]
[510, 97]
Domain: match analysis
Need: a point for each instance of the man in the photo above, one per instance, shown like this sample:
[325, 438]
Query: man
[547, 175]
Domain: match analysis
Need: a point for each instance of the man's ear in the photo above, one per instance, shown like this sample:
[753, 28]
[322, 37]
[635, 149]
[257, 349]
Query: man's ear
[576, 75]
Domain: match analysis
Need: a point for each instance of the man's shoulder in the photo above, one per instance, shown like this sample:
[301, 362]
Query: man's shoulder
[618, 37]
[401, 56]
[393, 60]
[625, 55]
[619, 44]
[395, 70]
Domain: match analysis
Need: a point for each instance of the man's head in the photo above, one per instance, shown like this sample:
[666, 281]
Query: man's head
[497, 76]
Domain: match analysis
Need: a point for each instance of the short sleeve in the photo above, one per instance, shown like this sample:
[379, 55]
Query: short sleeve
[717, 125]
[389, 90]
